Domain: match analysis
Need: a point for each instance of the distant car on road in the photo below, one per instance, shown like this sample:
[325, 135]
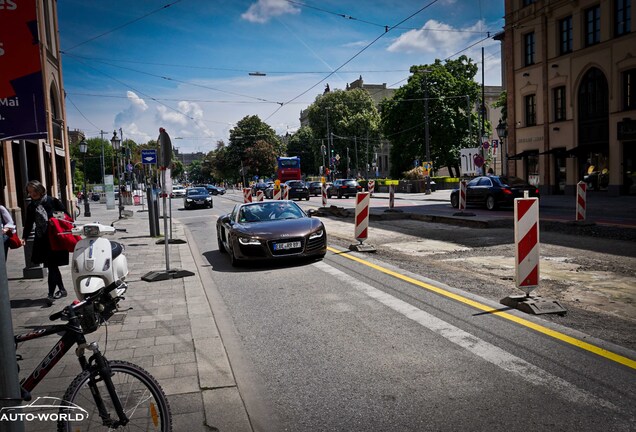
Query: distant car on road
[270, 230]
[344, 188]
[197, 197]
[494, 191]
[178, 191]
[215, 190]
[260, 187]
[297, 189]
[315, 188]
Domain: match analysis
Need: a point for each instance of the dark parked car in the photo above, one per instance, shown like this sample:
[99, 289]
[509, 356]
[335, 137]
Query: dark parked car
[297, 189]
[494, 191]
[260, 187]
[197, 197]
[270, 230]
[215, 190]
[344, 188]
[315, 188]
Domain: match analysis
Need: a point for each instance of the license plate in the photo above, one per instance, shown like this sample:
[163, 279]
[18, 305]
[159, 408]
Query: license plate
[298, 190]
[288, 245]
[199, 201]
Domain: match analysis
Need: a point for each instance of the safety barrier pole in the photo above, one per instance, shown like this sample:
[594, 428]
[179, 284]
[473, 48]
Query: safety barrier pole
[259, 196]
[276, 195]
[247, 195]
[285, 192]
[581, 201]
[462, 195]
[361, 229]
[323, 192]
[371, 187]
[527, 244]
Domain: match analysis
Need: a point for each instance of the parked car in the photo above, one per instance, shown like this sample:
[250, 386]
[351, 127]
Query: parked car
[197, 197]
[344, 188]
[315, 188]
[269, 230]
[494, 191]
[215, 190]
[260, 187]
[178, 191]
[297, 189]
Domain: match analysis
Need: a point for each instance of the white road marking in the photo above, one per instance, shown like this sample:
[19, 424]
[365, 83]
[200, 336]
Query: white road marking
[486, 351]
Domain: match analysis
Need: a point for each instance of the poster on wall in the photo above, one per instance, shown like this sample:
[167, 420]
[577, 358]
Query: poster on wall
[22, 109]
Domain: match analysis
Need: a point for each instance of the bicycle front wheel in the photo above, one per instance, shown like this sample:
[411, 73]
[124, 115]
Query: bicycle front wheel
[140, 395]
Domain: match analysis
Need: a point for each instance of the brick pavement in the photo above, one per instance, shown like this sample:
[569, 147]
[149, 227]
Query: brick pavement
[170, 330]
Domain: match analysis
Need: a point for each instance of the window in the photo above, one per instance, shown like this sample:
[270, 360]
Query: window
[629, 89]
[565, 35]
[531, 110]
[528, 2]
[622, 17]
[559, 103]
[592, 25]
[528, 45]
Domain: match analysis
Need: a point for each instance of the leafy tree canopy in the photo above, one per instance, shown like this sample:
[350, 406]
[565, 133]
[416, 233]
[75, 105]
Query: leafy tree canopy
[249, 131]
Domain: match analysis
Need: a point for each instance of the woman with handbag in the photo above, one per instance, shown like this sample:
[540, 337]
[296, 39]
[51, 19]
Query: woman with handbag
[8, 228]
[40, 210]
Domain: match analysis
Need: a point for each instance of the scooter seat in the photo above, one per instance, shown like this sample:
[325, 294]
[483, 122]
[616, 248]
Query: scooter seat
[116, 248]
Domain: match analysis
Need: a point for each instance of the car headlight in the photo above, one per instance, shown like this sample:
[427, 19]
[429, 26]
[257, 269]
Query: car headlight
[188, 200]
[248, 241]
[208, 198]
[317, 234]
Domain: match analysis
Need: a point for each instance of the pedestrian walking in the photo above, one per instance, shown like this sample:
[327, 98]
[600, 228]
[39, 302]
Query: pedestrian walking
[40, 210]
[8, 228]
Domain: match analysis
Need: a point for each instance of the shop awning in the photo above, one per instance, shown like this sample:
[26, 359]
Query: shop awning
[523, 154]
[561, 151]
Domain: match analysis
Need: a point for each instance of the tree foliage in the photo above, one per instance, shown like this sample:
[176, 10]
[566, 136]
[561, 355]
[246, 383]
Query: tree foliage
[352, 117]
[451, 93]
[301, 144]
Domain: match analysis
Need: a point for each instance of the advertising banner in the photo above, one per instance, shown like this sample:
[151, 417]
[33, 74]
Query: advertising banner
[22, 109]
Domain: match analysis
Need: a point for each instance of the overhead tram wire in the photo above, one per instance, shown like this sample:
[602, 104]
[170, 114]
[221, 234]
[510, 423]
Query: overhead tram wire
[167, 99]
[184, 82]
[124, 25]
[150, 97]
[352, 58]
[80, 112]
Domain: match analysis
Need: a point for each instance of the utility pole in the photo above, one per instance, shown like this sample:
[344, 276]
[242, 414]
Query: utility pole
[427, 135]
[101, 132]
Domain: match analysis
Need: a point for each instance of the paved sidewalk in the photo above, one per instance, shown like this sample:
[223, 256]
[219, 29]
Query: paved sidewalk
[170, 330]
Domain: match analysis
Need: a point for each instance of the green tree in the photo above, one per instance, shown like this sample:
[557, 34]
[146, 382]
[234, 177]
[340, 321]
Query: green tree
[247, 132]
[353, 119]
[301, 144]
[260, 160]
[451, 93]
[195, 172]
[93, 161]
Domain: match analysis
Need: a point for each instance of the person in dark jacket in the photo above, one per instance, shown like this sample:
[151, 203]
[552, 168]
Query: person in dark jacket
[40, 209]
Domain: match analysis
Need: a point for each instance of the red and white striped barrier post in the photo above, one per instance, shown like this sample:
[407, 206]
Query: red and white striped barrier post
[285, 192]
[527, 243]
[371, 186]
[260, 196]
[581, 200]
[362, 216]
[277, 194]
[247, 195]
[323, 192]
[462, 195]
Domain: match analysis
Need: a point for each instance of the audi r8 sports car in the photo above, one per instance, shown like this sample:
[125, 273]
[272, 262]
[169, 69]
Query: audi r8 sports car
[270, 230]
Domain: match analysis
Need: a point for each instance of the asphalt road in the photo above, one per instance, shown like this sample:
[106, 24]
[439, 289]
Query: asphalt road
[360, 345]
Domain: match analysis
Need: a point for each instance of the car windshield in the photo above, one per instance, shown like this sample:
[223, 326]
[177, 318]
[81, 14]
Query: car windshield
[350, 183]
[197, 191]
[295, 184]
[262, 212]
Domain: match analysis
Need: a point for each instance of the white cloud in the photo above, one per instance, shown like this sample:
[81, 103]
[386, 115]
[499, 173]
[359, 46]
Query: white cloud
[263, 10]
[135, 109]
[132, 130]
[434, 37]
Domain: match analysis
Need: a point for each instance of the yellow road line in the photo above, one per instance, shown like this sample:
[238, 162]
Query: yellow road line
[521, 321]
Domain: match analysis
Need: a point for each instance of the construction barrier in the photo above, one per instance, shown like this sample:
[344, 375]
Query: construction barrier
[391, 196]
[260, 196]
[285, 192]
[323, 192]
[526, 243]
[362, 216]
[581, 200]
[276, 195]
[371, 187]
[247, 195]
[462, 195]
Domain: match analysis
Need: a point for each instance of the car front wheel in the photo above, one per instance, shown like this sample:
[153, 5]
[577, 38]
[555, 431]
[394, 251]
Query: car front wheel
[454, 199]
[220, 243]
[491, 203]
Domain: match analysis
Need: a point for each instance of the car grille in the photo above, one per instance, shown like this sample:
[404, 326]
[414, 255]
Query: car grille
[252, 251]
[284, 252]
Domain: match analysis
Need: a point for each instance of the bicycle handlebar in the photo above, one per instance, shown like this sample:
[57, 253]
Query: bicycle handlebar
[87, 299]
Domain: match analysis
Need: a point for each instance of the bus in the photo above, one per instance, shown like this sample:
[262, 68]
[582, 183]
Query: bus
[288, 168]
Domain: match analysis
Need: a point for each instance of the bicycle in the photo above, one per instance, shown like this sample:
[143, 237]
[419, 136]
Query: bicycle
[121, 395]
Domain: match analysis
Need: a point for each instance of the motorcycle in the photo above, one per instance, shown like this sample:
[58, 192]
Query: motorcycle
[98, 262]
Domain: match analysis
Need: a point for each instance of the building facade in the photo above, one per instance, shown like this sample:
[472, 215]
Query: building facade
[40, 150]
[570, 73]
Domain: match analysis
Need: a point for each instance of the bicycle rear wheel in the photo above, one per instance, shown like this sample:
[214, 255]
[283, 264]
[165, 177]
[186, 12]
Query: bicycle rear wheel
[141, 396]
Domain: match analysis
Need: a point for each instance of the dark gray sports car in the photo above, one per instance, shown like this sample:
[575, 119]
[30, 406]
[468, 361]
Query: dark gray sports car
[270, 230]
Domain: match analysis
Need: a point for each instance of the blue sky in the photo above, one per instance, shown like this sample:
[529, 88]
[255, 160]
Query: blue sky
[184, 64]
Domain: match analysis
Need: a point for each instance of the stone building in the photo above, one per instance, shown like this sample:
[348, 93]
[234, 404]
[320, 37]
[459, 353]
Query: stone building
[570, 72]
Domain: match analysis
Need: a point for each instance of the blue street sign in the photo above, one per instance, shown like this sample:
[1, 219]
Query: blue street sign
[149, 157]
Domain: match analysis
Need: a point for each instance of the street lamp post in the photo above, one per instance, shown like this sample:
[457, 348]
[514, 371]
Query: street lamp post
[426, 133]
[83, 147]
[116, 143]
[502, 132]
